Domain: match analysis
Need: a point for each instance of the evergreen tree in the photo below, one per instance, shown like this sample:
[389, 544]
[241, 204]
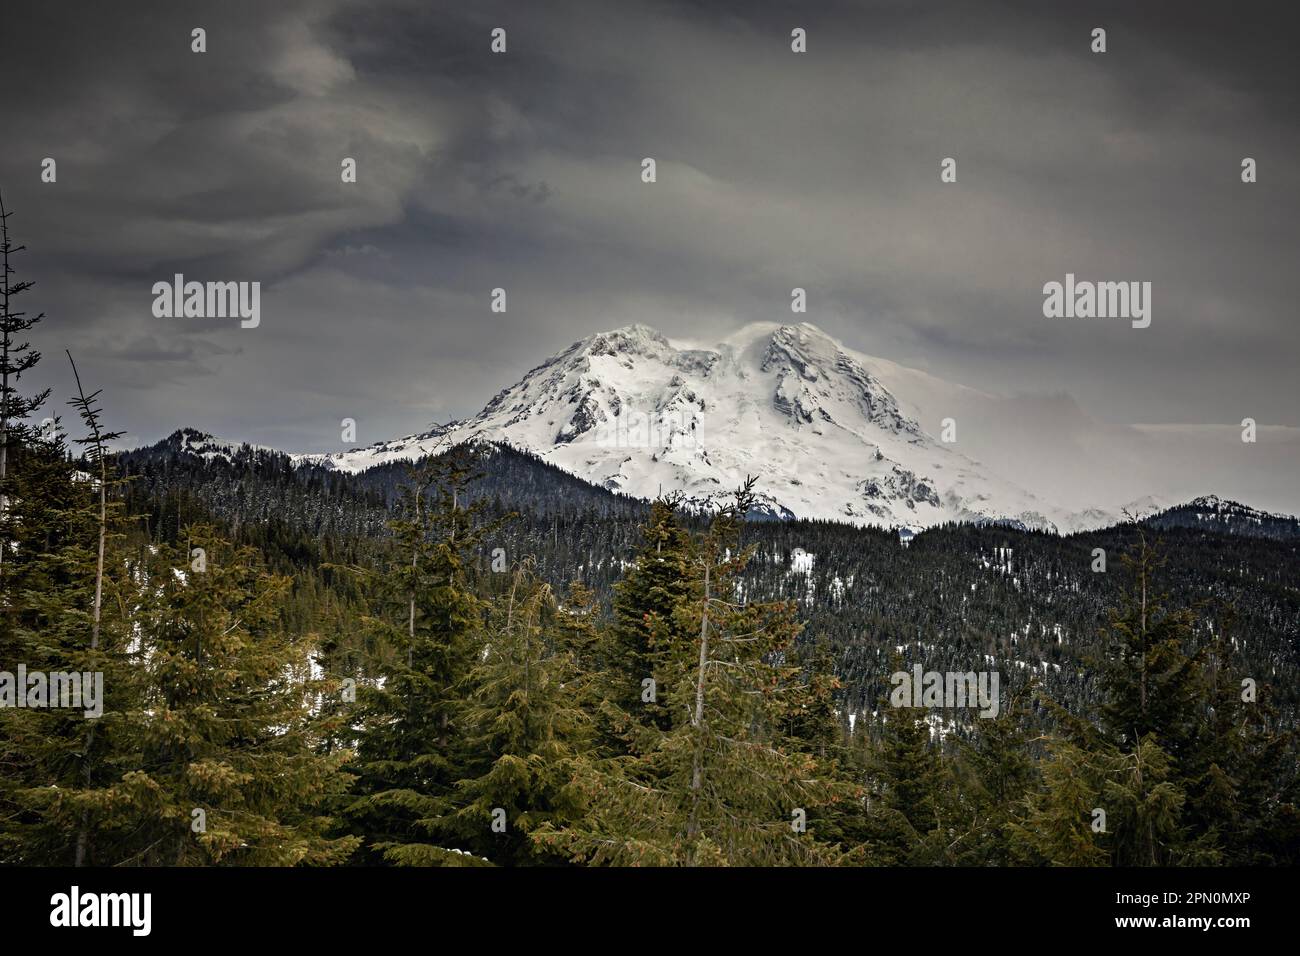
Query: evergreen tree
[229, 770]
[1159, 740]
[907, 781]
[1057, 826]
[645, 621]
[1153, 685]
[530, 708]
[995, 771]
[724, 785]
[816, 725]
[1103, 806]
[16, 358]
[413, 745]
[68, 596]
[35, 484]
[1239, 773]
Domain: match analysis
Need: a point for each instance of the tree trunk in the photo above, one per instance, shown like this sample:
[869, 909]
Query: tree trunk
[83, 834]
[697, 719]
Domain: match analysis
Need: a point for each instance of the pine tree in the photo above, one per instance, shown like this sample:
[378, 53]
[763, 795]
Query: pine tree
[815, 724]
[907, 780]
[645, 624]
[579, 631]
[67, 604]
[413, 746]
[1153, 685]
[1103, 806]
[995, 771]
[229, 767]
[96, 456]
[1242, 787]
[1057, 827]
[19, 522]
[1145, 802]
[35, 485]
[724, 785]
[530, 708]
[16, 358]
[1132, 770]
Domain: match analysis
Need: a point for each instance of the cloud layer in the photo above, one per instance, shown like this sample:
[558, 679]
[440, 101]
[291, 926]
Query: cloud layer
[775, 170]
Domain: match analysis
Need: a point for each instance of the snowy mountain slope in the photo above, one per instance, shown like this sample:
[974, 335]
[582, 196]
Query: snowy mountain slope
[828, 438]
[514, 478]
[1212, 513]
[191, 441]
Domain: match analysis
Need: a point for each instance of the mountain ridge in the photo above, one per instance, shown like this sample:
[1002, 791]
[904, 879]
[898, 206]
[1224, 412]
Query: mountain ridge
[833, 434]
[1205, 512]
[631, 411]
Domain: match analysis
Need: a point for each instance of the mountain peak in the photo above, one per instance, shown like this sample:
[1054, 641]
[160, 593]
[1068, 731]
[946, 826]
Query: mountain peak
[1222, 514]
[635, 338]
[805, 331]
[763, 333]
[831, 433]
[637, 330]
[631, 411]
[192, 441]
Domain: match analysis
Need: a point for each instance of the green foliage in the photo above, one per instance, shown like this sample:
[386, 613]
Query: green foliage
[413, 746]
[646, 626]
[228, 724]
[724, 783]
[994, 772]
[57, 761]
[531, 706]
[1176, 758]
[907, 781]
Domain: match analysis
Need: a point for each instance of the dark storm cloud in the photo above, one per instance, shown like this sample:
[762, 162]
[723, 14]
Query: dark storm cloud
[775, 170]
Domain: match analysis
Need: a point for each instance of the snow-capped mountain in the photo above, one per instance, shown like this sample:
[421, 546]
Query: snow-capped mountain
[821, 426]
[194, 442]
[1213, 513]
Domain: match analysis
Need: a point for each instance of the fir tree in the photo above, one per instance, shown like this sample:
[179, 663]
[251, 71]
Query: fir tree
[1151, 748]
[1239, 772]
[1154, 686]
[96, 456]
[413, 746]
[16, 358]
[229, 768]
[1057, 827]
[1103, 806]
[995, 771]
[645, 623]
[530, 708]
[724, 785]
[815, 724]
[907, 781]
[68, 600]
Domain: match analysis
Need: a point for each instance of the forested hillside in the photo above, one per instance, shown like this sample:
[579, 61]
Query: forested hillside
[483, 661]
[956, 597]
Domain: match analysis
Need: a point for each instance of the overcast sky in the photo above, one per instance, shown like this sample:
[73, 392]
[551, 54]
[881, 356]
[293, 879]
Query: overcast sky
[522, 170]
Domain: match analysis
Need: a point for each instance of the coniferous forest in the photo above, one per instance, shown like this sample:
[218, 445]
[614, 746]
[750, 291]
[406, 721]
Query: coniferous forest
[478, 660]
